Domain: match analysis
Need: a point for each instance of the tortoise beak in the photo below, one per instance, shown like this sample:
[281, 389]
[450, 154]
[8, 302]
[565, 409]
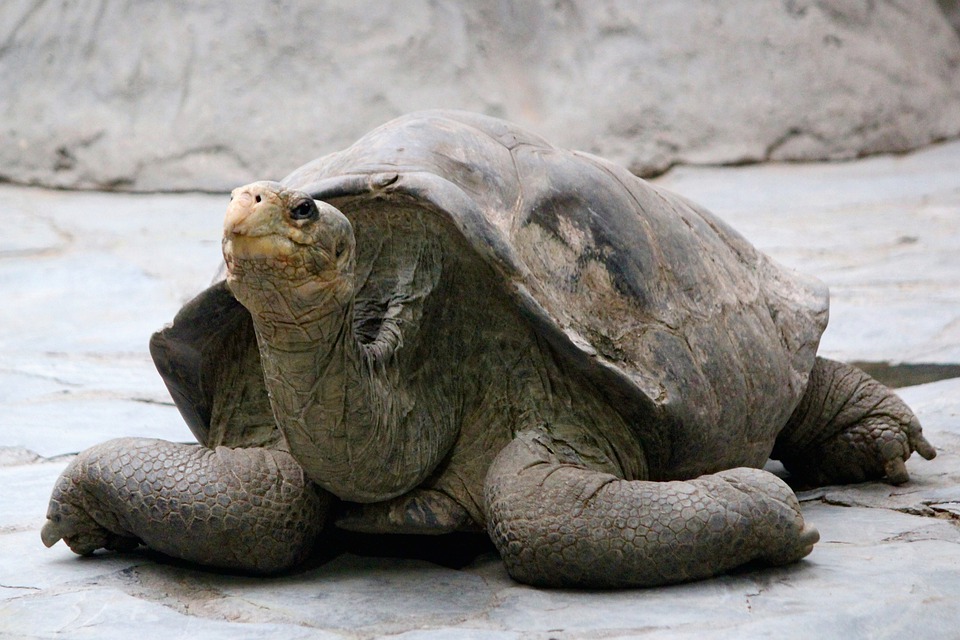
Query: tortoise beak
[254, 225]
[253, 210]
[50, 534]
[239, 211]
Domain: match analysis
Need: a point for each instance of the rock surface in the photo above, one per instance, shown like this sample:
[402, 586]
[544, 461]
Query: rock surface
[86, 277]
[881, 232]
[180, 96]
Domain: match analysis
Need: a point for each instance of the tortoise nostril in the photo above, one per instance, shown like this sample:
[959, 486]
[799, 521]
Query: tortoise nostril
[257, 198]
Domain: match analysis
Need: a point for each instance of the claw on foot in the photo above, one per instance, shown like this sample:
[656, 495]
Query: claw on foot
[924, 448]
[896, 471]
[808, 537]
[50, 534]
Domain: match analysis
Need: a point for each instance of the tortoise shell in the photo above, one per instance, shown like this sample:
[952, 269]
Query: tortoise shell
[671, 313]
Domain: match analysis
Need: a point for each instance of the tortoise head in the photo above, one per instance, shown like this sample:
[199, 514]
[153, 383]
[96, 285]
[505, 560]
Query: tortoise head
[281, 242]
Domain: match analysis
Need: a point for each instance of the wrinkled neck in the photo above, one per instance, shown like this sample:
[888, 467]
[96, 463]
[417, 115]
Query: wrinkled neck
[306, 332]
[342, 407]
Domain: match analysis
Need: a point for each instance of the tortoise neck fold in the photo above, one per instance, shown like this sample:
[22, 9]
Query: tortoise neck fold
[341, 407]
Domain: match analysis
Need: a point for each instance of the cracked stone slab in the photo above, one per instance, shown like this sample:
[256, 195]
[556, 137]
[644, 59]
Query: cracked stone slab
[63, 403]
[107, 271]
[109, 613]
[68, 425]
[934, 487]
[36, 236]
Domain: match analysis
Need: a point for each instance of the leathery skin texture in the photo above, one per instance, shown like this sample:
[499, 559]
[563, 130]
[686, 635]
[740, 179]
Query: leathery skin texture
[849, 428]
[556, 524]
[249, 509]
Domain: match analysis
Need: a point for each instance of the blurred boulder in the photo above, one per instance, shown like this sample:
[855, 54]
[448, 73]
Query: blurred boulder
[207, 95]
[951, 9]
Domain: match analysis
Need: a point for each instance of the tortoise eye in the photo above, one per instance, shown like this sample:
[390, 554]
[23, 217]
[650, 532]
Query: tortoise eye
[303, 211]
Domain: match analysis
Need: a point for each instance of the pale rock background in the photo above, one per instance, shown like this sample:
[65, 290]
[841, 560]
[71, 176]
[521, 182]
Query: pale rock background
[166, 96]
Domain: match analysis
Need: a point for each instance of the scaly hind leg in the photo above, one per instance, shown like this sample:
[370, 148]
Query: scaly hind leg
[558, 523]
[251, 509]
[849, 428]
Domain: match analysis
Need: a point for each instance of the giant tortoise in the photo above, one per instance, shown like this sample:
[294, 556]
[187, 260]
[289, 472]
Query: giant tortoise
[452, 325]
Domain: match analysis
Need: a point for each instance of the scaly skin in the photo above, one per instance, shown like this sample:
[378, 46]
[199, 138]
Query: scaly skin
[560, 524]
[849, 428]
[250, 509]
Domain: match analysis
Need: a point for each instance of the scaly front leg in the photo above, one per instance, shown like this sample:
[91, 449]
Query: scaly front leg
[249, 509]
[560, 524]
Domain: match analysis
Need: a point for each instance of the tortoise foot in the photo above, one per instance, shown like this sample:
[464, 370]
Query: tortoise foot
[248, 509]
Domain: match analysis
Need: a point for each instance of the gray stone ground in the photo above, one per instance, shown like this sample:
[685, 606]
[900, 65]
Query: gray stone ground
[86, 277]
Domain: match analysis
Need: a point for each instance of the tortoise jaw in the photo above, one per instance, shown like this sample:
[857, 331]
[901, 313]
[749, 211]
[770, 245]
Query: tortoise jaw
[256, 246]
[256, 230]
[265, 221]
